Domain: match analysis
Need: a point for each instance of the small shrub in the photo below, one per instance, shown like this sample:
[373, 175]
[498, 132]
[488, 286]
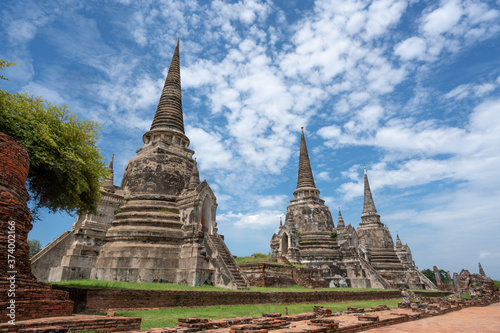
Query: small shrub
[333, 234]
[118, 211]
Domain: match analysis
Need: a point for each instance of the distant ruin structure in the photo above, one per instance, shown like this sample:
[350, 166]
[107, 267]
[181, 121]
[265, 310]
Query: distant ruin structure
[365, 257]
[159, 225]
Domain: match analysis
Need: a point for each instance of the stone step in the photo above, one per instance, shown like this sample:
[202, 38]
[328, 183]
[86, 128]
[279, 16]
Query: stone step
[230, 263]
[152, 218]
[153, 223]
[151, 202]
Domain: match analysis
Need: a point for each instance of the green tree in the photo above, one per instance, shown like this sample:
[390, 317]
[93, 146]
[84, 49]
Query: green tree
[35, 247]
[429, 273]
[66, 167]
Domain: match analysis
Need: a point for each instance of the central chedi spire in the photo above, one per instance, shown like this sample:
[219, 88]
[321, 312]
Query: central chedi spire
[306, 236]
[305, 180]
[370, 214]
[305, 177]
[307, 209]
[169, 111]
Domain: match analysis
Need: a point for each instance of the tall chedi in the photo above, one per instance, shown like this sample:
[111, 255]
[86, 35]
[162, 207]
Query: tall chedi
[308, 235]
[375, 236]
[377, 239]
[166, 231]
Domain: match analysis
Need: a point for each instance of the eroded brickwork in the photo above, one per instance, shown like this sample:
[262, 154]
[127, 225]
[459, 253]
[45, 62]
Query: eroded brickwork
[26, 297]
[100, 300]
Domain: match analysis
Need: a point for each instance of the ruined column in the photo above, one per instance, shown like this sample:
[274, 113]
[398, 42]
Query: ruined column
[481, 270]
[456, 282]
[22, 296]
[438, 278]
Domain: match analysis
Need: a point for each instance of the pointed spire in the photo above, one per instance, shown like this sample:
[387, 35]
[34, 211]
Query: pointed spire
[340, 221]
[109, 180]
[194, 181]
[169, 111]
[398, 241]
[305, 178]
[369, 211]
[111, 163]
[481, 270]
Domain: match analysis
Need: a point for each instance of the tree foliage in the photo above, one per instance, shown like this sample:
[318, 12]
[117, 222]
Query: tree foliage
[35, 247]
[429, 273]
[66, 167]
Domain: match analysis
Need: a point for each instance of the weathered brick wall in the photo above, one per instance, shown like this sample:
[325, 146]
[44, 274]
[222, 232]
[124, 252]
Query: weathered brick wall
[100, 300]
[268, 275]
[32, 299]
[272, 275]
[75, 323]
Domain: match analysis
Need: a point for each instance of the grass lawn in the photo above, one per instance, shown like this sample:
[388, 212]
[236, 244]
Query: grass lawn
[259, 258]
[133, 285]
[170, 286]
[169, 317]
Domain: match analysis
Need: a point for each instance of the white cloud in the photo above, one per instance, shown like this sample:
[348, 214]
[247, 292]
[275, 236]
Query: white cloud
[443, 18]
[411, 48]
[471, 89]
[256, 220]
[272, 201]
[453, 25]
[210, 151]
[472, 152]
[48, 94]
[323, 175]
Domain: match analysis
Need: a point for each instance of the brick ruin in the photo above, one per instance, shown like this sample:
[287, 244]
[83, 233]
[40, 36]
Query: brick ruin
[23, 297]
[324, 320]
[365, 257]
[159, 225]
[476, 285]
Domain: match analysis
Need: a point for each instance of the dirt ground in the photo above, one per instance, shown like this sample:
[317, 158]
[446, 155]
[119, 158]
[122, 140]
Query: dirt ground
[475, 319]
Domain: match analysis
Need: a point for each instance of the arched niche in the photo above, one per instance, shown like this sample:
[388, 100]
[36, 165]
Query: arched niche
[284, 245]
[206, 215]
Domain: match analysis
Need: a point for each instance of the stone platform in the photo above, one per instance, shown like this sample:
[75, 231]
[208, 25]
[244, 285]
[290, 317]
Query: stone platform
[75, 323]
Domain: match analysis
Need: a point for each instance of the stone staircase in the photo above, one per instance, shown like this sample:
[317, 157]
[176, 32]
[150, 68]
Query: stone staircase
[239, 279]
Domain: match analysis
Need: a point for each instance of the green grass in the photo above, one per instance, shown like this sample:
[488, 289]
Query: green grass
[169, 317]
[262, 259]
[497, 284]
[86, 284]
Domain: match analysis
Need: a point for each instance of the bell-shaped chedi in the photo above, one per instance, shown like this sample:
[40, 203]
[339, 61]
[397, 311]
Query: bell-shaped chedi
[307, 210]
[166, 231]
[371, 232]
[22, 296]
[306, 236]
[394, 263]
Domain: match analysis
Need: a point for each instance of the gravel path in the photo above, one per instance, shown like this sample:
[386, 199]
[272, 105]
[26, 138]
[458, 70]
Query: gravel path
[475, 319]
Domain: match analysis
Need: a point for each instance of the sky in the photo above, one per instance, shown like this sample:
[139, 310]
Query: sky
[409, 89]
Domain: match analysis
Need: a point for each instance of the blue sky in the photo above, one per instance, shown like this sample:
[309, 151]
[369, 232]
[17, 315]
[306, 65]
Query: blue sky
[409, 89]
